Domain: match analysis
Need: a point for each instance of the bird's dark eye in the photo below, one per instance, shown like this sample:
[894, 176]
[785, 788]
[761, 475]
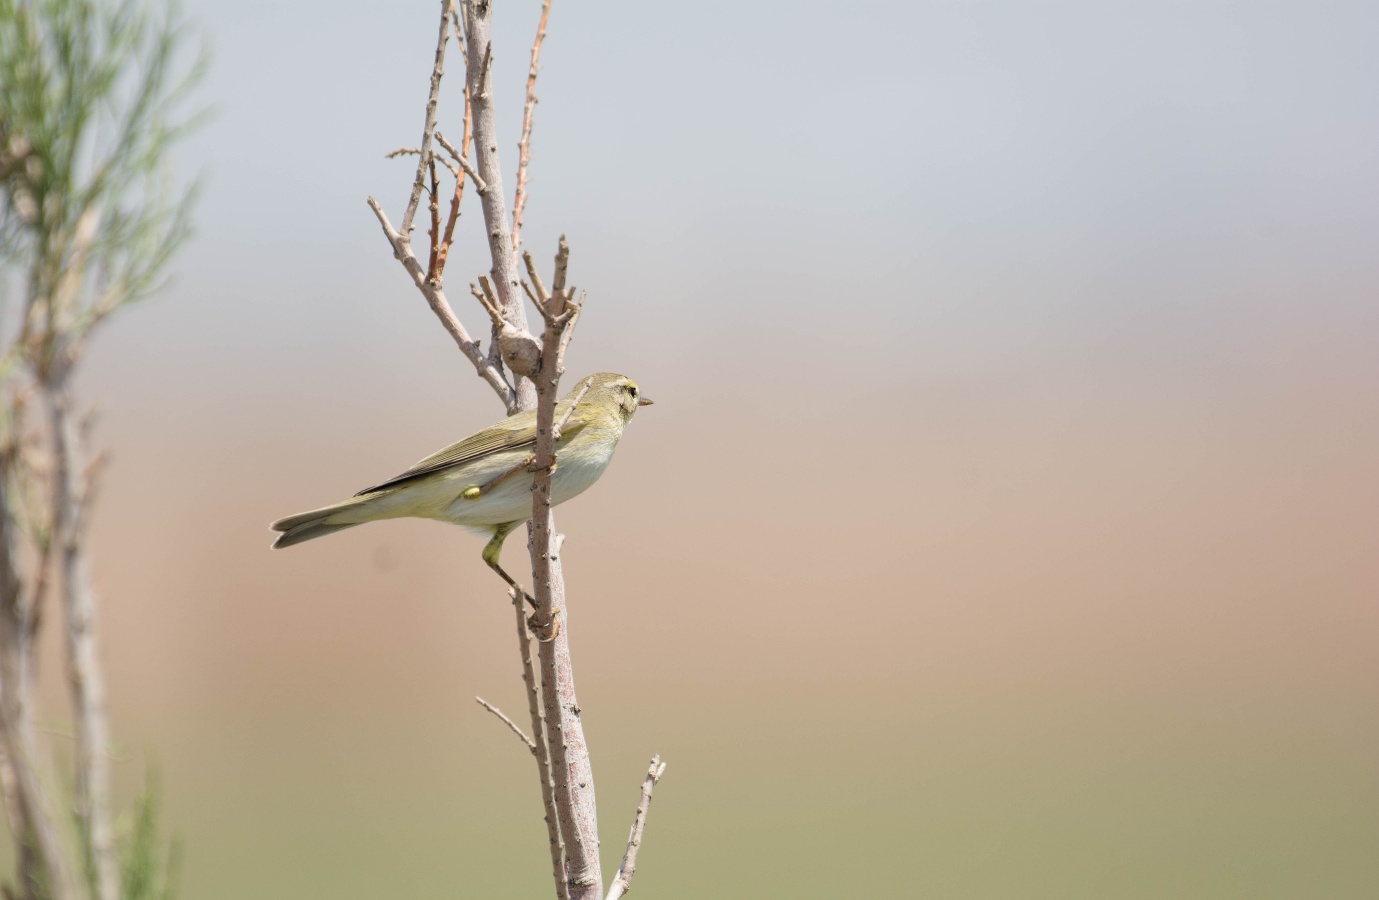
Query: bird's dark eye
[632, 389]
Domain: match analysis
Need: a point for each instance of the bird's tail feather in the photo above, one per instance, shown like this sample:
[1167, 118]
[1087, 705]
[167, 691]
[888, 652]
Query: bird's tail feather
[305, 533]
[321, 522]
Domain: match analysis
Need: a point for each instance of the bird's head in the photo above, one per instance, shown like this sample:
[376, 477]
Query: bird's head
[614, 392]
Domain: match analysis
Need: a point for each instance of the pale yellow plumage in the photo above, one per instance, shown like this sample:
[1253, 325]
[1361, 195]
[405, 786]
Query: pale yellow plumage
[484, 481]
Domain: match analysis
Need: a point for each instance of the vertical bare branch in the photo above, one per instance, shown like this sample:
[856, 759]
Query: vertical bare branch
[479, 53]
[71, 492]
[44, 854]
[429, 129]
[433, 258]
[519, 200]
[570, 764]
[541, 734]
[444, 254]
[622, 882]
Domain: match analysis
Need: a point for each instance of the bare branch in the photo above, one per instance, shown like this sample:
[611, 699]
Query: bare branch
[494, 313]
[86, 679]
[429, 129]
[531, 295]
[574, 312]
[519, 201]
[531, 745]
[479, 54]
[479, 184]
[583, 389]
[43, 851]
[622, 882]
[542, 750]
[403, 151]
[435, 297]
[541, 296]
[435, 231]
[562, 266]
[570, 766]
[444, 254]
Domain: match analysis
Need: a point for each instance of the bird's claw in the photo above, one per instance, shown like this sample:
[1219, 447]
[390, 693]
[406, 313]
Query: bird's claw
[545, 631]
[533, 468]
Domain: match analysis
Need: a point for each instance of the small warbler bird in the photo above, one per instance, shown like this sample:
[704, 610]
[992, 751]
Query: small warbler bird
[483, 483]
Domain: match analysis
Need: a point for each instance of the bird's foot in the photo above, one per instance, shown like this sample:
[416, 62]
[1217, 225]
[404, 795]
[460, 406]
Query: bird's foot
[545, 631]
[533, 468]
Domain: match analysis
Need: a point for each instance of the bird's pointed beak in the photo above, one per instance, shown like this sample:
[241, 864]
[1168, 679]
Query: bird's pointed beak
[643, 401]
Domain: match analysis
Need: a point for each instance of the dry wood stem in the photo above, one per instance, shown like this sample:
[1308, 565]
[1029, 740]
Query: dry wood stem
[519, 200]
[515, 728]
[570, 764]
[622, 882]
[479, 53]
[542, 750]
[429, 129]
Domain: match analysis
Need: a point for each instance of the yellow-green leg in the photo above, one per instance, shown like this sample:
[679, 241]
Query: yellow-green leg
[543, 630]
[494, 548]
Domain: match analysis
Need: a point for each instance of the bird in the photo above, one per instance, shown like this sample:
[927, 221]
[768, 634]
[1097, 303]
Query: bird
[483, 483]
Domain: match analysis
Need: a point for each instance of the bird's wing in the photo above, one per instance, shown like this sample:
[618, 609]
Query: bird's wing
[516, 432]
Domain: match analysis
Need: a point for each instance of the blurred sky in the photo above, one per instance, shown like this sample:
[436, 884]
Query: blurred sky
[1005, 526]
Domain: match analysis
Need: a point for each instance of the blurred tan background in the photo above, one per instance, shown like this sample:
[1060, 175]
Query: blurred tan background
[1005, 526]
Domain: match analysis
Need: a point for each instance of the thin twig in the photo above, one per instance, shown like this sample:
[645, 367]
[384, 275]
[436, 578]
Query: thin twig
[541, 297]
[562, 266]
[542, 752]
[519, 201]
[444, 254]
[435, 298]
[574, 312]
[531, 745]
[434, 232]
[479, 184]
[429, 129]
[622, 882]
[495, 314]
[583, 389]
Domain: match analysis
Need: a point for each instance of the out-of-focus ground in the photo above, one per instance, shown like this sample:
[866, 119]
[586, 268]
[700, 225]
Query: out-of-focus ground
[1004, 527]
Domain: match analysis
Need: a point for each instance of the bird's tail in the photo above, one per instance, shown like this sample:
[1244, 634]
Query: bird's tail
[321, 522]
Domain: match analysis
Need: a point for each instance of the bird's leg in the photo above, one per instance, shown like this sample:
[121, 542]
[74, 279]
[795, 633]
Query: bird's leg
[491, 552]
[544, 631]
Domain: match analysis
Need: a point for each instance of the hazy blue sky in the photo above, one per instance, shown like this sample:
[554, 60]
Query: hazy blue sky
[929, 188]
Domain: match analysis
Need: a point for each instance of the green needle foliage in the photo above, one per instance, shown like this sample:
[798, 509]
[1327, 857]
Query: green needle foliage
[148, 872]
[93, 94]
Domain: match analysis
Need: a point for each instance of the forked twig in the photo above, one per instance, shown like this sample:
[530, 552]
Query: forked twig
[435, 298]
[494, 313]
